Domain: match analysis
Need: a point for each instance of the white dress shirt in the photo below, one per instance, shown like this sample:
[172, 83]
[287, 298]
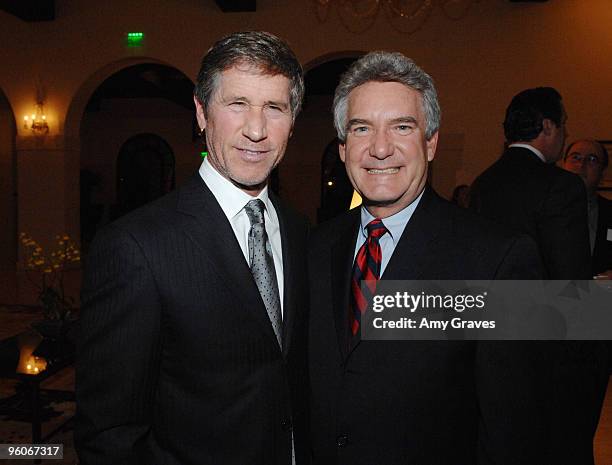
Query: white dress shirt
[232, 201]
[539, 154]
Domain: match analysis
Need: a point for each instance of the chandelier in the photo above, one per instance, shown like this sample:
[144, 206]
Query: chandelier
[37, 121]
[403, 15]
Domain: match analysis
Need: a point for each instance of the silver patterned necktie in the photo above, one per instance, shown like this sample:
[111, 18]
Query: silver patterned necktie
[262, 265]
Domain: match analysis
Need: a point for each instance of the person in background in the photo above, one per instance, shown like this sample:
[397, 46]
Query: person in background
[524, 191]
[589, 159]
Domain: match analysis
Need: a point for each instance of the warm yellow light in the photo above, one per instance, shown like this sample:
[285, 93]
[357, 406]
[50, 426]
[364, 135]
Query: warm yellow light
[330, 183]
[37, 122]
[355, 201]
[28, 366]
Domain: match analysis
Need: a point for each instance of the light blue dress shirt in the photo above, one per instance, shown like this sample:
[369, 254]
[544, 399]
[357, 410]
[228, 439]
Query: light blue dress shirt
[395, 225]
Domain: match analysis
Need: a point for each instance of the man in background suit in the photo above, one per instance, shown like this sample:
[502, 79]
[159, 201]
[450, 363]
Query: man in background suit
[401, 402]
[525, 192]
[192, 338]
[589, 160]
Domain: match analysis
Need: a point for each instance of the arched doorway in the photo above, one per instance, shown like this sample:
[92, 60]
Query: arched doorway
[136, 141]
[336, 188]
[145, 171]
[314, 159]
[8, 187]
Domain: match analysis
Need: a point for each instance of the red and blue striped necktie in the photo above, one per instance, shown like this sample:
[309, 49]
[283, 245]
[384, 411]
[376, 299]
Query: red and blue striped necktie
[367, 270]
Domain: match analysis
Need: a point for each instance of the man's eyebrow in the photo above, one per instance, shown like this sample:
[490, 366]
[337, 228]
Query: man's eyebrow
[399, 119]
[267, 103]
[355, 121]
[405, 119]
[274, 103]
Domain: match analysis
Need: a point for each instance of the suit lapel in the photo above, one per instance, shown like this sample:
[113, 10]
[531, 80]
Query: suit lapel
[291, 253]
[411, 257]
[342, 251]
[212, 233]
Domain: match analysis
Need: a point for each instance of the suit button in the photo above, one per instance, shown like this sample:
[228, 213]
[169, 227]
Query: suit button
[342, 440]
[286, 426]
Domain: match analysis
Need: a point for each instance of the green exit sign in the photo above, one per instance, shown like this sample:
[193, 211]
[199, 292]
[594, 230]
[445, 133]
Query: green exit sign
[135, 39]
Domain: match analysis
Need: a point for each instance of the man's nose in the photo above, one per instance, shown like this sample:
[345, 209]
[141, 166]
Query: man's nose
[255, 125]
[382, 145]
[584, 165]
[582, 161]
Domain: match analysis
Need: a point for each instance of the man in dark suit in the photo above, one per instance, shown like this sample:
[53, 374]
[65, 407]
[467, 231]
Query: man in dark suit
[410, 402]
[192, 337]
[525, 192]
[589, 159]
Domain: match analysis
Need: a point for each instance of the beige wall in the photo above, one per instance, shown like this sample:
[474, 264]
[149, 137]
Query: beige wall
[478, 62]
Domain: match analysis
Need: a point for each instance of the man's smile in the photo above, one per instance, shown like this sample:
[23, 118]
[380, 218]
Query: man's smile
[383, 171]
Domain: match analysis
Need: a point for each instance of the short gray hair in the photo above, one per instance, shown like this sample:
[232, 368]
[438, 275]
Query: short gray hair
[386, 67]
[262, 50]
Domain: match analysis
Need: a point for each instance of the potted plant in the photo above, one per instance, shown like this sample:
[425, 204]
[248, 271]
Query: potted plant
[46, 272]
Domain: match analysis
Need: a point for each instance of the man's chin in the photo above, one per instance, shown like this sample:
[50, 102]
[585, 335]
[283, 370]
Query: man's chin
[378, 202]
[250, 186]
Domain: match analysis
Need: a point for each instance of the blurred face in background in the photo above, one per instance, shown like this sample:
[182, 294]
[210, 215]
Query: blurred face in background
[586, 159]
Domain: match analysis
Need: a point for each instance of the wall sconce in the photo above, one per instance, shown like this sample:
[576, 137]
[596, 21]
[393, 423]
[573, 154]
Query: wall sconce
[37, 122]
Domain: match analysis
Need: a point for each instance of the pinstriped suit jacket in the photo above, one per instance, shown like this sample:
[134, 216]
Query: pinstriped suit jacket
[177, 360]
[423, 402]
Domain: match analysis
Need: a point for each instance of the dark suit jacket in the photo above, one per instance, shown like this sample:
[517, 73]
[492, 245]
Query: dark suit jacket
[422, 402]
[602, 252]
[549, 204]
[523, 194]
[177, 359]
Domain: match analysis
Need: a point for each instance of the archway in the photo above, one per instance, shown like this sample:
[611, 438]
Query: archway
[336, 188]
[144, 113]
[313, 132]
[8, 187]
[145, 171]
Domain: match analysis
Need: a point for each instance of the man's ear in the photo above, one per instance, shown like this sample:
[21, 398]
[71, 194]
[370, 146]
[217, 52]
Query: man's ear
[342, 151]
[431, 144]
[547, 126]
[200, 113]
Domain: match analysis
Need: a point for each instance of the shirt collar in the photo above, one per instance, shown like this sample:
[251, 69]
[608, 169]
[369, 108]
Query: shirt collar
[231, 199]
[529, 147]
[395, 224]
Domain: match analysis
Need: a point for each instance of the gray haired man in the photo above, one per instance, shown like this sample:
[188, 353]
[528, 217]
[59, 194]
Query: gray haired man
[401, 402]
